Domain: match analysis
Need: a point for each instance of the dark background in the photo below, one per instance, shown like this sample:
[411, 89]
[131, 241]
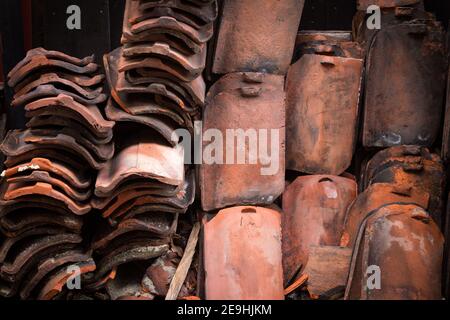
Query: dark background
[25, 24]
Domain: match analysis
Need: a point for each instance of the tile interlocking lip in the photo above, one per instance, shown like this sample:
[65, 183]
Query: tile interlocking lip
[68, 115]
[179, 203]
[10, 242]
[128, 252]
[136, 238]
[88, 83]
[380, 234]
[49, 90]
[235, 241]
[137, 20]
[135, 184]
[143, 158]
[53, 78]
[139, 16]
[38, 52]
[151, 188]
[169, 24]
[147, 91]
[377, 196]
[58, 280]
[47, 266]
[78, 179]
[245, 108]
[175, 203]
[139, 105]
[45, 177]
[16, 191]
[33, 248]
[36, 201]
[204, 10]
[414, 166]
[89, 113]
[418, 45]
[10, 208]
[193, 92]
[58, 122]
[52, 154]
[158, 225]
[317, 112]
[19, 143]
[273, 27]
[157, 63]
[314, 211]
[177, 41]
[103, 152]
[194, 64]
[31, 216]
[144, 209]
[40, 62]
[174, 36]
[162, 125]
[132, 198]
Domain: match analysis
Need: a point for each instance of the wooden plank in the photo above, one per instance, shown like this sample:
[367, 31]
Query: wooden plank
[185, 264]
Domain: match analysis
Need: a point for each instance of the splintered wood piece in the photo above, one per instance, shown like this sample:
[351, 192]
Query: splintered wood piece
[185, 264]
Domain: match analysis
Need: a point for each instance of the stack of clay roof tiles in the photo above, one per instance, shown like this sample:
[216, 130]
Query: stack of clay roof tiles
[50, 168]
[156, 87]
[156, 76]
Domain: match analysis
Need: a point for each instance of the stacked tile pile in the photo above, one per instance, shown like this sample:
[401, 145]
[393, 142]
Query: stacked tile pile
[157, 87]
[156, 77]
[141, 192]
[48, 180]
